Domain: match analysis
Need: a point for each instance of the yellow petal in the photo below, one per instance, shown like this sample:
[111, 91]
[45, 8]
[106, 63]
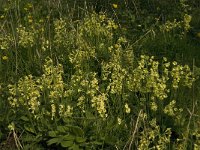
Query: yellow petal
[115, 6]
[198, 34]
[4, 57]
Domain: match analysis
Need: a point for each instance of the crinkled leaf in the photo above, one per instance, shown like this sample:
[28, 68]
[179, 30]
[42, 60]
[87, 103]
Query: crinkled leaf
[69, 137]
[97, 143]
[62, 129]
[66, 143]
[89, 115]
[53, 141]
[80, 139]
[28, 138]
[75, 147]
[29, 129]
[110, 140]
[24, 118]
[52, 133]
[76, 130]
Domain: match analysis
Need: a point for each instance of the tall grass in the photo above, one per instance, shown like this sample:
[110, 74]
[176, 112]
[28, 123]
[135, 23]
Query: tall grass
[71, 79]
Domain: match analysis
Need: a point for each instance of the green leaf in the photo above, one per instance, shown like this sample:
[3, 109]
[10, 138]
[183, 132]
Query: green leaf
[53, 141]
[76, 130]
[52, 133]
[24, 118]
[110, 140]
[66, 143]
[1, 118]
[29, 129]
[97, 143]
[80, 139]
[75, 147]
[1, 135]
[89, 115]
[132, 18]
[62, 129]
[28, 138]
[69, 137]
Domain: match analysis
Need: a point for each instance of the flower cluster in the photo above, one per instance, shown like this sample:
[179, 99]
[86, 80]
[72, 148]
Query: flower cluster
[187, 20]
[99, 102]
[26, 93]
[5, 45]
[5, 41]
[114, 73]
[169, 26]
[181, 74]
[62, 36]
[127, 108]
[183, 25]
[26, 36]
[52, 80]
[37, 94]
[152, 138]
[84, 87]
[147, 79]
[97, 26]
[173, 111]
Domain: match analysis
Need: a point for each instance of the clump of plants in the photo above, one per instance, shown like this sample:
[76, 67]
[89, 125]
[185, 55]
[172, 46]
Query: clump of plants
[83, 86]
[107, 90]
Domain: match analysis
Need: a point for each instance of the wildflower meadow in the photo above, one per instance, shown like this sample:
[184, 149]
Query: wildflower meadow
[99, 75]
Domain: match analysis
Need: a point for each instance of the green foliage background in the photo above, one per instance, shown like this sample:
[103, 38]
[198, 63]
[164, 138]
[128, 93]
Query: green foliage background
[99, 74]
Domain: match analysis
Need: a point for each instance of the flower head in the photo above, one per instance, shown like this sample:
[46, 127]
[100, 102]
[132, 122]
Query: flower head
[115, 6]
[127, 108]
[5, 58]
[119, 121]
[198, 34]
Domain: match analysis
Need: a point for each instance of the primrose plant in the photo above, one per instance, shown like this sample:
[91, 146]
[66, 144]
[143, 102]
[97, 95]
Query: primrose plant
[106, 81]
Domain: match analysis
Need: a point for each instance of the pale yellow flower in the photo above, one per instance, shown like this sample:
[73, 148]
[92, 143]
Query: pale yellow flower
[119, 121]
[5, 58]
[115, 6]
[30, 19]
[2, 16]
[127, 108]
[198, 34]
